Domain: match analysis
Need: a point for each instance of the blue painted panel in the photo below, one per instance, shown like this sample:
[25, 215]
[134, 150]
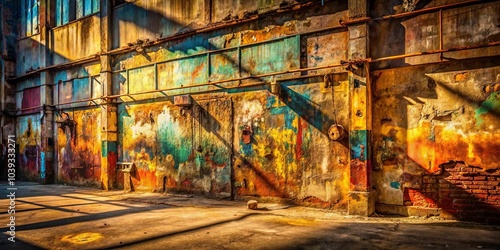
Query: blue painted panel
[87, 7]
[65, 11]
[81, 89]
[224, 65]
[34, 18]
[28, 19]
[271, 57]
[95, 6]
[58, 11]
[189, 71]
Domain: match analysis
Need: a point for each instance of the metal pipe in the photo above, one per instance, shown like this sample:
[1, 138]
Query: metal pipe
[58, 66]
[32, 87]
[79, 101]
[30, 108]
[230, 80]
[427, 10]
[491, 44]
[441, 33]
[355, 21]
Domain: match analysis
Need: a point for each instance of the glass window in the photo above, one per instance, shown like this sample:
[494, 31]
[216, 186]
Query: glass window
[29, 17]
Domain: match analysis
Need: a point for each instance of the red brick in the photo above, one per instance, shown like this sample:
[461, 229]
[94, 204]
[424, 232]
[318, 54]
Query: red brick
[481, 178]
[475, 191]
[481, 182]
[466, 169]
[486, 187]
[494, 198]
[493, 183]
[464, 178]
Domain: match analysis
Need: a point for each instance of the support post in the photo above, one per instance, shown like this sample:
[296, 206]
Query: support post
[361, 195]
[109, 134]
[48, 169]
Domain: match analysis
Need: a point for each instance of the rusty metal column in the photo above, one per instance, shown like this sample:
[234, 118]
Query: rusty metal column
[361, 196]
[47, 164]
[109, 134]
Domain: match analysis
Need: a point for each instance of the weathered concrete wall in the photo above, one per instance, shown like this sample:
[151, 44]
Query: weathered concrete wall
[288, 153]
[461, 27]
[28, 58]
[193, 152]
[434, 115]
[154, 19]
[435, 126]
[232, 9]
[76, 40]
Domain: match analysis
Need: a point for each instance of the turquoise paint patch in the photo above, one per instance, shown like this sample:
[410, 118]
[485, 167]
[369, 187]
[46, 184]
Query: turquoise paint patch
[395, 184]
[359, 144]
[246, 149]
[490, 105]
[108, 146]
[42, 165]
[172, 142]
[270, 101]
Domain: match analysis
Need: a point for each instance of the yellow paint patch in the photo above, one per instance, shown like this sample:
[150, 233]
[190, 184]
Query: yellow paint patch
[82, 238]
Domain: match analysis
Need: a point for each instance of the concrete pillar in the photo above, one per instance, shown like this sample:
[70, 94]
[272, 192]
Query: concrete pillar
[109, 133]
[361, 195]
[47, 163]
[8, 35]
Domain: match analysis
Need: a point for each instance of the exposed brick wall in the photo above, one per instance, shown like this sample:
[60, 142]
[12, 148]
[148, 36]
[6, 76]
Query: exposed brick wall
[464, 192]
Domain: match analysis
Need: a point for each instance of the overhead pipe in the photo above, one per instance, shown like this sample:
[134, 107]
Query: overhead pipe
[85, 60]
[491, 44]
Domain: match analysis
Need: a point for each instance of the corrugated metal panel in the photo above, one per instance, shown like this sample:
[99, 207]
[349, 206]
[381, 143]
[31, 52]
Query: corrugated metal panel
[31, 98]
[87, 6]
[189, 71]
[95, 6]
[65, 11]
[58, 12]
[271, 57]
[224, 65]
[79, 8]
[28, 19]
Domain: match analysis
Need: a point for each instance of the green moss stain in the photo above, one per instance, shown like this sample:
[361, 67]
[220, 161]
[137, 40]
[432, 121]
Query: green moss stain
[490, 105]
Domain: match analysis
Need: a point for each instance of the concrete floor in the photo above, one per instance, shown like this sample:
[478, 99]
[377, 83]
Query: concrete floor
[63, 217]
